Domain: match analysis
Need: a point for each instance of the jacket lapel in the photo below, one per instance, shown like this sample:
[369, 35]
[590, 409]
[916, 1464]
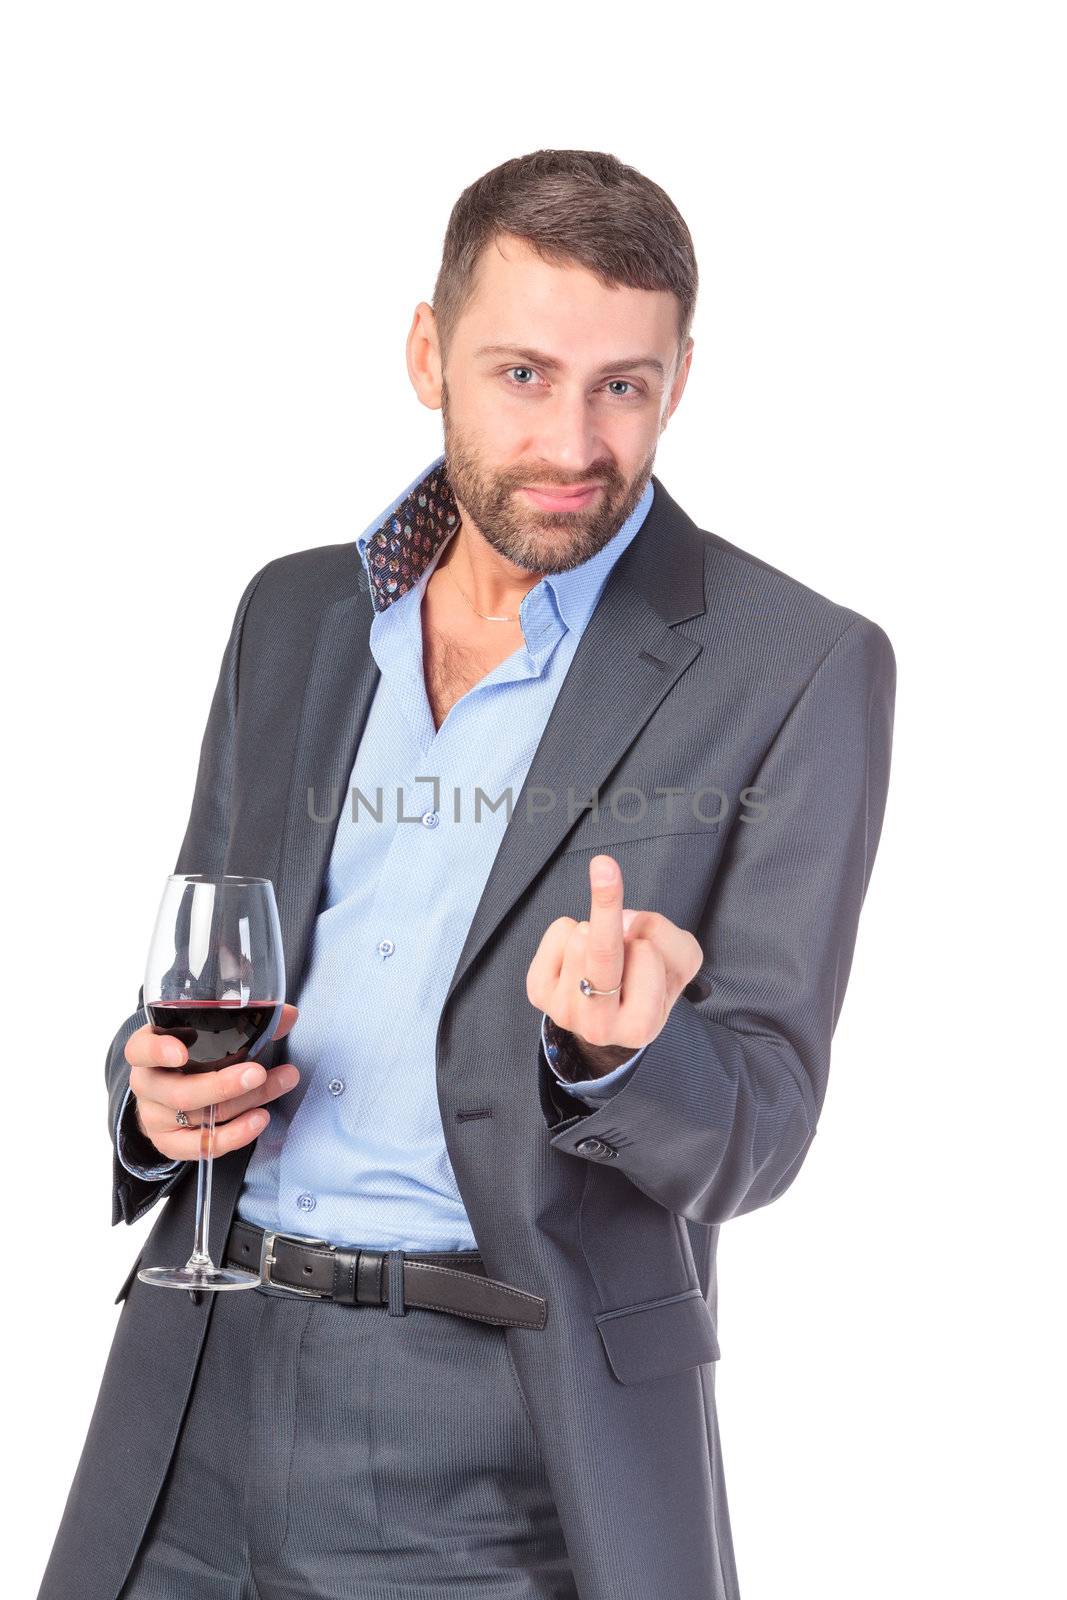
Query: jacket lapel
[337, 698]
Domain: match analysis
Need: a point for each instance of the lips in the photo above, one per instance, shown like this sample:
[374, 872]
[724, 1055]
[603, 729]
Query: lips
[563, 499]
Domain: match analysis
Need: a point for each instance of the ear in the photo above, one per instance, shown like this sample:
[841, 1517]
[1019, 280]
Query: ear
[425, 368]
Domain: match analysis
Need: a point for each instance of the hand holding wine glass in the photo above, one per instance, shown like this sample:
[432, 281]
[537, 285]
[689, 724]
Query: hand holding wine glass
[162, 1085]
[214, 984]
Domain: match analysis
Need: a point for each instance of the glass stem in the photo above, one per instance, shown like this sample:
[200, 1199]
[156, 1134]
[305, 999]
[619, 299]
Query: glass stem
[201, 1257]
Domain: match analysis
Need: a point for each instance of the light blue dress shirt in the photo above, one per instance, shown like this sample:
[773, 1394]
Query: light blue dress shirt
[356, 1152]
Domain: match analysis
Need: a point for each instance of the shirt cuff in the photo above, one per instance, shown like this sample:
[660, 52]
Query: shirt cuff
[162, 1169]
[588, 1088]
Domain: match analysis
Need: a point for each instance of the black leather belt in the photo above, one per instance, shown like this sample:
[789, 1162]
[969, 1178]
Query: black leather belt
[440, 1280]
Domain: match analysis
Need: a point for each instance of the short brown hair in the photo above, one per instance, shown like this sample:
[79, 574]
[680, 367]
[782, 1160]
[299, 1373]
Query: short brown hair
[571, 206]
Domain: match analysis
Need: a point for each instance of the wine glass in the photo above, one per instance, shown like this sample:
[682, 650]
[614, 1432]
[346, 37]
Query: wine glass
[215, 980]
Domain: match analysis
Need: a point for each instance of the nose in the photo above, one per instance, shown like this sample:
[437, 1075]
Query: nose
[568, 440]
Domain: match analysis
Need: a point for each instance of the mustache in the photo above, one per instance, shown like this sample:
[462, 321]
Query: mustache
[602, 480]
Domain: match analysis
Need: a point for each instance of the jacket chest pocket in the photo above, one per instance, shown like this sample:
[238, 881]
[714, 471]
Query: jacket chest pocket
[653, 1338]
[642, 817]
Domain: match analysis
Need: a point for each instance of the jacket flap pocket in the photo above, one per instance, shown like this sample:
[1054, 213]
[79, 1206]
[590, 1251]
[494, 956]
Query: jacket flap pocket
[656, 1337]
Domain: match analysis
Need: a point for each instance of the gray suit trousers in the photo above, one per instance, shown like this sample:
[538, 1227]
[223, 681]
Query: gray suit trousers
[334, 1451]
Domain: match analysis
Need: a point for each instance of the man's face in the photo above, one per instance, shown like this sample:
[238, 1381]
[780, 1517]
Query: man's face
[551, 381]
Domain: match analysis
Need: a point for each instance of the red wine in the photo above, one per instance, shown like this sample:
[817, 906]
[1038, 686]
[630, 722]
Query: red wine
[216, 1033]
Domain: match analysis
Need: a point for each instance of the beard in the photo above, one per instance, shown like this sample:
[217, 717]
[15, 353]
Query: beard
[532, 539]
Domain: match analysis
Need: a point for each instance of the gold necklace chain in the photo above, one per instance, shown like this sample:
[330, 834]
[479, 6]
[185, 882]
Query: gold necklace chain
[448, 569]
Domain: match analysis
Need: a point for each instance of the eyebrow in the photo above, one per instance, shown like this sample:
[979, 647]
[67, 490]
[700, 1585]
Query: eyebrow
[538, 358]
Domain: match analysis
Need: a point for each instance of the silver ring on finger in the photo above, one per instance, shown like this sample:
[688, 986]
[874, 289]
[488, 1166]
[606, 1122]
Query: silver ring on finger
[587, 988]
[181, 1119]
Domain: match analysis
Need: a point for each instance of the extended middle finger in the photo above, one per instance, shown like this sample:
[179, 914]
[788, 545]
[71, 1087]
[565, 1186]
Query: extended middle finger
[605, 945]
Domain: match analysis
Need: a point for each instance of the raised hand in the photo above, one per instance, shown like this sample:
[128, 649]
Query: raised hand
[642, 955]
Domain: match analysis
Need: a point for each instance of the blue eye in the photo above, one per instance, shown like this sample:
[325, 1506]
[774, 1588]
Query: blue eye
[518, 385]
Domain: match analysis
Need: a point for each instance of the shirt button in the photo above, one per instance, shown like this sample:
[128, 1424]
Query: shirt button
[430, 819]
[306, 1202]
[386, 947]
[336, 1086]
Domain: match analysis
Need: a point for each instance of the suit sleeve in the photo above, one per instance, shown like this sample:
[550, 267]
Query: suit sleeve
[136, 1153]
[717, 1115]
[203, 850]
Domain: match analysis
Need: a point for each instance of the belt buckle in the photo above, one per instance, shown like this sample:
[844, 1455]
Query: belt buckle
[267, 1259]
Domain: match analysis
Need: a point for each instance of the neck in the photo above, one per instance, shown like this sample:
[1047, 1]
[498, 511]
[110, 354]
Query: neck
[492, 584]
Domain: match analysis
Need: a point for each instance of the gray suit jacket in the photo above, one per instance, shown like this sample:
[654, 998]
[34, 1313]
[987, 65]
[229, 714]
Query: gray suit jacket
[702, 668]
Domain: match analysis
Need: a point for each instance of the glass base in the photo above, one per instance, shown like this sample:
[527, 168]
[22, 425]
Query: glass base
[198, 1277]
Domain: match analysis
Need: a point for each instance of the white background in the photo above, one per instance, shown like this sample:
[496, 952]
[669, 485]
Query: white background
[219, 219]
